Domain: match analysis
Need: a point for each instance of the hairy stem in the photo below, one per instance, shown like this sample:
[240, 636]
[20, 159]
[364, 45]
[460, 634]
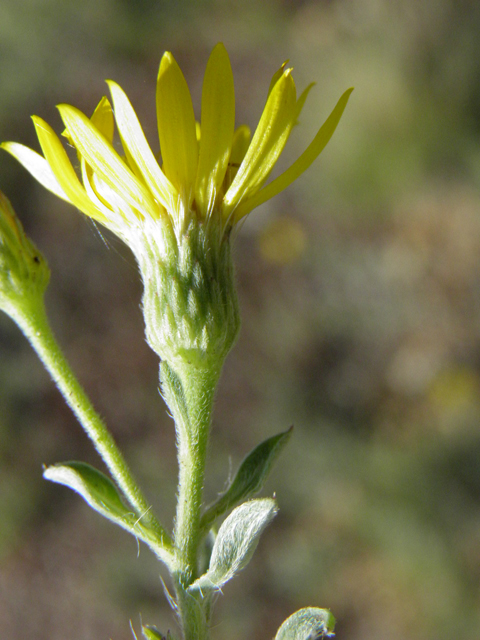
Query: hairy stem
[33, 321]
[189, 392]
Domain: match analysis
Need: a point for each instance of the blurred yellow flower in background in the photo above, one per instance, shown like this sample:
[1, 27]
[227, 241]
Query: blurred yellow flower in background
[283, 240]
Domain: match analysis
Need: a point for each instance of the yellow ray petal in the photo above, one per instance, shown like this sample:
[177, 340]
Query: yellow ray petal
[240, 144]
[102, 119]
[241, 140]
[62, 168]
[301, 164]
[301, 100]
[87, 178]
[36, 164]
[276, 76]
[176, 128]
[268, 141]
[136, 145]
[218, 123]
[105, 161]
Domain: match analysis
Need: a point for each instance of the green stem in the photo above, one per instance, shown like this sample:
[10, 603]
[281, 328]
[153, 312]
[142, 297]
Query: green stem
[32, 319]
[189, 392]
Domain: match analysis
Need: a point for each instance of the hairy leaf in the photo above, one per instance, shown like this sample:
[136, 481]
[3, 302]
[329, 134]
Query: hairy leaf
[250, 476]
[235, 543]
[310, 623]
[99, 492]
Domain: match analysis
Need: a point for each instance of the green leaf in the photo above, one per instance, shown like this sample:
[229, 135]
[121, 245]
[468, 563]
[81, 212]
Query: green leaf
[152, 633]
[98, 490]
[235, 543]
[100, 493]
[310, 623]
[249, 478]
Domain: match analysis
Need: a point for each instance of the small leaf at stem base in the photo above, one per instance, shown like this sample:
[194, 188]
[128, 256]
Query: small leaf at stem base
[235, 543]
[310, 623]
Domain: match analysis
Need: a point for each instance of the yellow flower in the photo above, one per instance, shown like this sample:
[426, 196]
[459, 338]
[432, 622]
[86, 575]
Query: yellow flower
[176, 216]
[207, 170]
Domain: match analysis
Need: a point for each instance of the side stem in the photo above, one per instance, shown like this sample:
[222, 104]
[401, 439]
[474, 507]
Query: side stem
[32, 320]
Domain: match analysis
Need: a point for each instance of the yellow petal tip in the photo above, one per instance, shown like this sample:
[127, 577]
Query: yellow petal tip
[167, 61]
[40, 123]
[346, 95]
[65, 110]
[65, 107]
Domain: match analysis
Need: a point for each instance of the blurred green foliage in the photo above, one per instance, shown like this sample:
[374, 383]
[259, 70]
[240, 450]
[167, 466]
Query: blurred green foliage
[364, 330]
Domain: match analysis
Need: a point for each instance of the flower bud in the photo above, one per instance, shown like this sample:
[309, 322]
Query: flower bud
[24, 273]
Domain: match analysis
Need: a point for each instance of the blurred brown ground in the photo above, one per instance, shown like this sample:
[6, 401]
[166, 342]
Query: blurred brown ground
[360, 296]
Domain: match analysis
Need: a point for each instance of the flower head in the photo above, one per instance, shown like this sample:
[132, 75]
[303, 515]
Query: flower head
[176, 214]
[207, 169]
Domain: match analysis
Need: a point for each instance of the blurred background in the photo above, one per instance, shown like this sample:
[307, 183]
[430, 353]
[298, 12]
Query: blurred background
[360, 298]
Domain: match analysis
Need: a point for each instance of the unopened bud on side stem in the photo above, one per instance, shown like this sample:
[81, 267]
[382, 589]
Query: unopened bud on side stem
[24, 273]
